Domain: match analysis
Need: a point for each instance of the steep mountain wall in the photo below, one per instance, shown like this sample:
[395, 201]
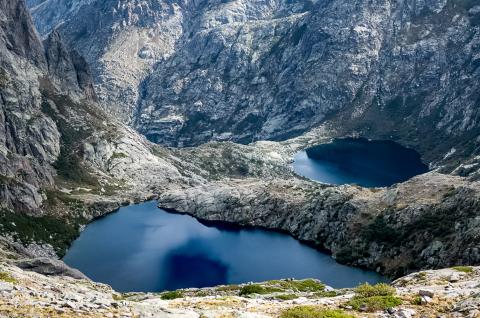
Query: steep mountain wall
[58, 150]
[186, 72]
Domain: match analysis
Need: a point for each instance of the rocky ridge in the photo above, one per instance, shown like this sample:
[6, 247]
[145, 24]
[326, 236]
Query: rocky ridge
[190, 72]
[429, 221]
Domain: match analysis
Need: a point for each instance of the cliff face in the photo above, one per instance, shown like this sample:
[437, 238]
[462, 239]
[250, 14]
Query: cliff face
[188, 72]
[121, 40]
[58, 150]
[29, 140]
[430, 221]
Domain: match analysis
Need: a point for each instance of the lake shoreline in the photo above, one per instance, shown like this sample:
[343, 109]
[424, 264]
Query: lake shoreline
[227, 229]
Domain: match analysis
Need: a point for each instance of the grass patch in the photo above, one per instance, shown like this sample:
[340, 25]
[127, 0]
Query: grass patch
[5, 277]
[4, 180]
[306, 285]
[118, 155]
[313, 312]
[374, 297]
[171, 295]
[464, 269]
[331, 293]
[286, 297]
[258, 289]
[55, 198]
[381, 289]
[374, 303]
[417, 301]
[421, 275]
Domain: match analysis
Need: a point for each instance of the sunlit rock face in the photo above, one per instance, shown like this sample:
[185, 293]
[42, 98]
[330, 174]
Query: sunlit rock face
[186, 72]
[48, 117]
[29, 141]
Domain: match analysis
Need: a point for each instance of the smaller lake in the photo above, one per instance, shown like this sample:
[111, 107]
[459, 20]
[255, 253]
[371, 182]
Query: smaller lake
[359, 161]
[143, 248]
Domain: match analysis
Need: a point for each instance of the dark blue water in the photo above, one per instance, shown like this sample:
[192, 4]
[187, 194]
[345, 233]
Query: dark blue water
[142, 248]
[359, 161]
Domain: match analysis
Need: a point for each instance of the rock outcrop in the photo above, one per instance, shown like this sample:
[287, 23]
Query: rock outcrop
[50, 267]
[24, 293]
[430, 221]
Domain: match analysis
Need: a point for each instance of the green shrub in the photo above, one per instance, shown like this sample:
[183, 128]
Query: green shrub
[347, 254]
[374, 303]
[286, 297]
[381, 289]
[70, 167]
[171, 295]
[7, 278]
[115, 155]
[374, 297]
[417, 300]
[331, 293]
[380, 231]
[118, 155]
[464, 269]
[306, 285]
[313, 312]
[257, 289]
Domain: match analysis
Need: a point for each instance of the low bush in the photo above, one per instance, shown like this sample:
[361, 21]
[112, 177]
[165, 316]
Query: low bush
[330, 293]
[313, 312]
[171, 295]
[421, 275]
[417, 301]
[257, 289]
[286, 297]
[4, 79]
[380, 231]
[306, 285]
[69, 164]
[381, 289]
[374, 297]
[374, 303]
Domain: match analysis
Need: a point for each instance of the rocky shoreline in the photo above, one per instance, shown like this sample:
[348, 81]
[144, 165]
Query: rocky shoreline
[391, 230]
